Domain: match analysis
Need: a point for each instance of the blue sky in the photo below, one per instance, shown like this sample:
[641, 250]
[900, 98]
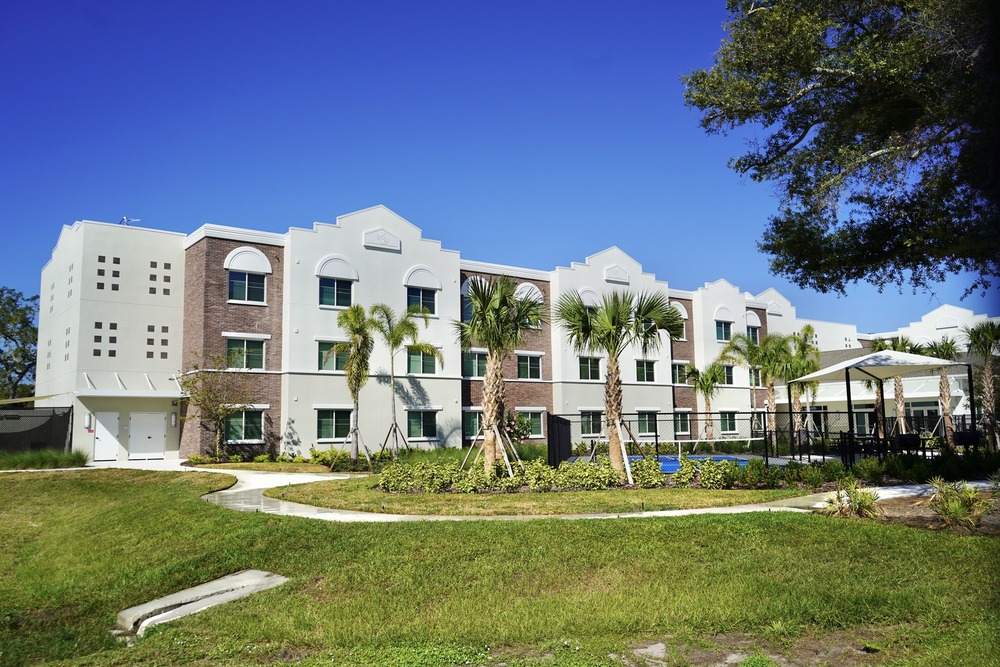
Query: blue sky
[523, 133]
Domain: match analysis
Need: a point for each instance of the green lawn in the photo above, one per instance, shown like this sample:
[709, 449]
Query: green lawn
[77, 547]
[358, 494]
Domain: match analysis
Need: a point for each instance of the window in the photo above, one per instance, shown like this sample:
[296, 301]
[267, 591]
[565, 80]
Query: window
[535, 420]
[243, 353]
[421, 297]
[466, 308]
[334, 292]
[244, 427]
[474, 364]
[590, 423]
[331, 362]
[247, 287]
[590, 368]
[644, 371]
[727, 420]
[682, 423]
[678, 373]
[753, 333]
[529, 367]
[754, 377]
[421, 424]
[472, 422]
[418, 362]
[332, 424]
[723, 331]
[728, 375]
[647, 423]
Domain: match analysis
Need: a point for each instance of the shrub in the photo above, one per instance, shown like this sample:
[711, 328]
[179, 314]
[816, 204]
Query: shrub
[959, 504]
[869, 469]
[507, 484]
[262, 458]
[283, 458]
[583, 475]
[852, 499]
[813, 477]
[42, 459]
[396, 478]
[539, 475]
[755, 473]
[686, 471]
[833, 470]
[474, 481]
[648, 474]
[733, 473]
[198, 459]
[759, 660]
[235, 458]
[712, 474]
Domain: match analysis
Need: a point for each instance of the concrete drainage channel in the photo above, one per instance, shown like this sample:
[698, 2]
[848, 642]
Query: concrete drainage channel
[133, 621]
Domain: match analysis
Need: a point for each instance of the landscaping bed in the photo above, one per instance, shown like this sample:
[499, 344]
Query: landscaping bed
[917, 512]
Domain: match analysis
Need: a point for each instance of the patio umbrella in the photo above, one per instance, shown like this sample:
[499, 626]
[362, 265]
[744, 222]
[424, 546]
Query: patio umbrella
[881, 366]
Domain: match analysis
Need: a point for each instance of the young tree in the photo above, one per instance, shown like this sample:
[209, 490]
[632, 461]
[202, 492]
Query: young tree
[983, 341]
[879, 135]
[803, 359]
[622, 320]
[946, 348]
[497, 320]
[706, 382]
[397, 332]
[360, 330]
[770, 356]
[216, 390]
[900, 344]
[18, 342]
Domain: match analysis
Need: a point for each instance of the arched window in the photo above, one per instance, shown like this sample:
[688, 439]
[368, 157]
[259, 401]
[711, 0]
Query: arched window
[336, 279]
[682, 311]
[723, 324]
[753, 326]
[422, 287]
[247, 268]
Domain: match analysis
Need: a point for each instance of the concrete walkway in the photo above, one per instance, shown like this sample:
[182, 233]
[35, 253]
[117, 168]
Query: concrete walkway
[247, 495]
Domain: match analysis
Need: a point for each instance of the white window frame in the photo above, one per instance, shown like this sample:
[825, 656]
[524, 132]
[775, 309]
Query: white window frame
[423, 410]
[475, 351]
[534, 410]
[650, 369]
[529, 356]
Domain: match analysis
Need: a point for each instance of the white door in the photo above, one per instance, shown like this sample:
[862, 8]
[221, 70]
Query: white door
[106, 436]
[147, 435]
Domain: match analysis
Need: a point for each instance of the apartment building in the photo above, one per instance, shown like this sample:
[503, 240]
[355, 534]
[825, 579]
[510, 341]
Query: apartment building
[125, 310]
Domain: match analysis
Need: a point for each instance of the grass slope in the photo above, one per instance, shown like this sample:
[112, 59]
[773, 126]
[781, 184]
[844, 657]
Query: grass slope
[80, 546]
[358, 494]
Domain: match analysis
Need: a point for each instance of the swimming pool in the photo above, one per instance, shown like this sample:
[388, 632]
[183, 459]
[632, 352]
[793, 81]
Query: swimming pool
[672, 464]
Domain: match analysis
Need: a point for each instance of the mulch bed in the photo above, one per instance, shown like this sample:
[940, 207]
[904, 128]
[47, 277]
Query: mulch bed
[916, 512]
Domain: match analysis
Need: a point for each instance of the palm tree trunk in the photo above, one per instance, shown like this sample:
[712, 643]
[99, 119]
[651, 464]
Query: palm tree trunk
[709, 426]
[796, 409]
[613, 413]
[989, 407]
[493, 397]
[392, 393]
[354, 433]
[900, 406]
[944, 389]
[772, 409]
[879, 409]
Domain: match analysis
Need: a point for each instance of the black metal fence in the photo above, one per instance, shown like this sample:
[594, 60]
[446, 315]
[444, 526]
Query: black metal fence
[40, 428]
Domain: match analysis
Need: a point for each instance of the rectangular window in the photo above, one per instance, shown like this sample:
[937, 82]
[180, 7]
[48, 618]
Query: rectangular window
[418, 297]
[246, 287]
[727, 375]
[590, 423]
[334, 292]
[421, 424]
[590, 368]
[471, 423]
[647, 423]
[727, 421]
[723, 331]
[418, 362]
[332, 424]
[754, 377]
[753, 333]
[682, 423]
[466, 308]
[529, 367]
[331, 362]
[474, 364]
[678, 373]
[644, 371]
[243, 353]
[244, 427]
[535, 420]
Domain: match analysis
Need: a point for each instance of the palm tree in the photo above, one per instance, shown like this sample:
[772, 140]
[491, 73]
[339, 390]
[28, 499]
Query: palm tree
[395, 333]
[945, 348]
[497, 320]
[707, 383]
[900, 344]
[620, 321]
[983, 341]
[769, 356]
[803, 359]
[360, 329]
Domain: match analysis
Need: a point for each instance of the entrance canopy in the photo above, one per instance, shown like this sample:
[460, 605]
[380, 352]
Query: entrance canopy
[879, 366]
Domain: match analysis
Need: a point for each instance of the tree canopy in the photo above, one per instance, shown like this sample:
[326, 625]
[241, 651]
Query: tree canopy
[879, 135]
[18, 342]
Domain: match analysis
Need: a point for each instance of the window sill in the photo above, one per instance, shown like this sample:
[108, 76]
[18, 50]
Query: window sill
[245, 442]
[324, 306]
[528, 379]
[434, 439]
[332, 441]
[233, 302]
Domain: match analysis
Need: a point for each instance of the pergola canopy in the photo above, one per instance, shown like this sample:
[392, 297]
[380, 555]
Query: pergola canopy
[880, 366]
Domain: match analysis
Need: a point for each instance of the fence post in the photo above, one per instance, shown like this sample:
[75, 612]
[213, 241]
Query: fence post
[766, 440]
